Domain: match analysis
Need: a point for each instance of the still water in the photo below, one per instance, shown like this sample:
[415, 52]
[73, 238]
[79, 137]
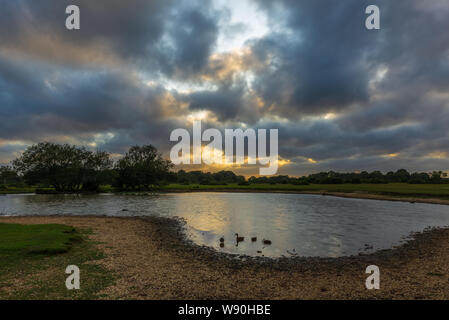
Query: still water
[304, 225]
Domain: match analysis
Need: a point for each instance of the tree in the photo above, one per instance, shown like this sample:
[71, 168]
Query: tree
[402, 175]
[65, 167]
[8, 176]
[435, 176]
[142, 168]
[96, 170]
[419, 178]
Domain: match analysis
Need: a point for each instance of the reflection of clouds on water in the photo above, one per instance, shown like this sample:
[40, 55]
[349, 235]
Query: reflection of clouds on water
[306, 225]
[201, 217]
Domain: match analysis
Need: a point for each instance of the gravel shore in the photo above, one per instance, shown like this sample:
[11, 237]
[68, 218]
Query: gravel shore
[153, 260]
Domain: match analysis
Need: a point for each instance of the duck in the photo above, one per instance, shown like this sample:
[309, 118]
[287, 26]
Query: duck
[265, 241]
[222, 239]
[239, 239]
[254, 239]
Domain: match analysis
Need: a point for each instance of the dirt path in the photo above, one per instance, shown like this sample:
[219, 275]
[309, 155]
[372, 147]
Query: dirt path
[153, 262]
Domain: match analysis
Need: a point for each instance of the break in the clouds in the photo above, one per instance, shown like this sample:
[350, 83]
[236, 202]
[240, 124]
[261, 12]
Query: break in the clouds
[343, 97]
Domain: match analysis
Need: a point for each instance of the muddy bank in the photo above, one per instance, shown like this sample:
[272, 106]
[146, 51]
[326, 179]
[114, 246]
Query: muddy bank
[154, 261]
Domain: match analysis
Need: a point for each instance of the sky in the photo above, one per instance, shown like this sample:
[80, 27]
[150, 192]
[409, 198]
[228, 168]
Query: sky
[343, 98]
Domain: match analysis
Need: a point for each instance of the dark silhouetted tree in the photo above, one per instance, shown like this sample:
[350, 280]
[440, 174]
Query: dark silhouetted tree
[142, 168]
[65, 167]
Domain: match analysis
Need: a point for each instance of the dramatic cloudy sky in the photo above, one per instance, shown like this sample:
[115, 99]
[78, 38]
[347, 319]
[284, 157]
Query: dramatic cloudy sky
[343, 98]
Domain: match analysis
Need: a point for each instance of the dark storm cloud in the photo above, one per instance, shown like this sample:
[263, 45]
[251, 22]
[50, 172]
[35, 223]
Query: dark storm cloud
[229, 102]
[368, 163]
[329, 143]
[6, 150]
[225, 103]
[388, 86]
[320, 59]
[77, 85]
[101, 22]
[39, 101]
[325, 58]
[190, 40]
[156, 35]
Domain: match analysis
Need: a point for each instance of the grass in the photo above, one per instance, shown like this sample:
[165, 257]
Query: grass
[33, 259]
[440, 191]
[15, 190]
[28, 239]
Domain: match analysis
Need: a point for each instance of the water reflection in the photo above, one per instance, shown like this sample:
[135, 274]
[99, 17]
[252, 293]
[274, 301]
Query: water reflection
[305, 225]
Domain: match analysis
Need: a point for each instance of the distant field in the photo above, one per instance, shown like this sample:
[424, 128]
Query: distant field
[398, 189]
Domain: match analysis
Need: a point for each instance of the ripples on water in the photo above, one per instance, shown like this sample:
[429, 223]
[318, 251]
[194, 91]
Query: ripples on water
[304, 225]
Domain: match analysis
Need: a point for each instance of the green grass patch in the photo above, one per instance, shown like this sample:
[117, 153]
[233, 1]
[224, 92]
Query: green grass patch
[16, 190]
[33, 259]
[38, 239]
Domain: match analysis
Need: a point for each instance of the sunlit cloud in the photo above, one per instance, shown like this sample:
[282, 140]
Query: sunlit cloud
[204, 115]
[391, 155]
[329, 116]
[379, 76]
[438, 155]
[245, 21]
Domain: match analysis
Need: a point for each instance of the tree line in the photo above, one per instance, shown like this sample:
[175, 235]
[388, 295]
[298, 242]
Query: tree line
[68, 168]
[332, 177]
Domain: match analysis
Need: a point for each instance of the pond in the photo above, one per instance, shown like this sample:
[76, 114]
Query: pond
[296, 224]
